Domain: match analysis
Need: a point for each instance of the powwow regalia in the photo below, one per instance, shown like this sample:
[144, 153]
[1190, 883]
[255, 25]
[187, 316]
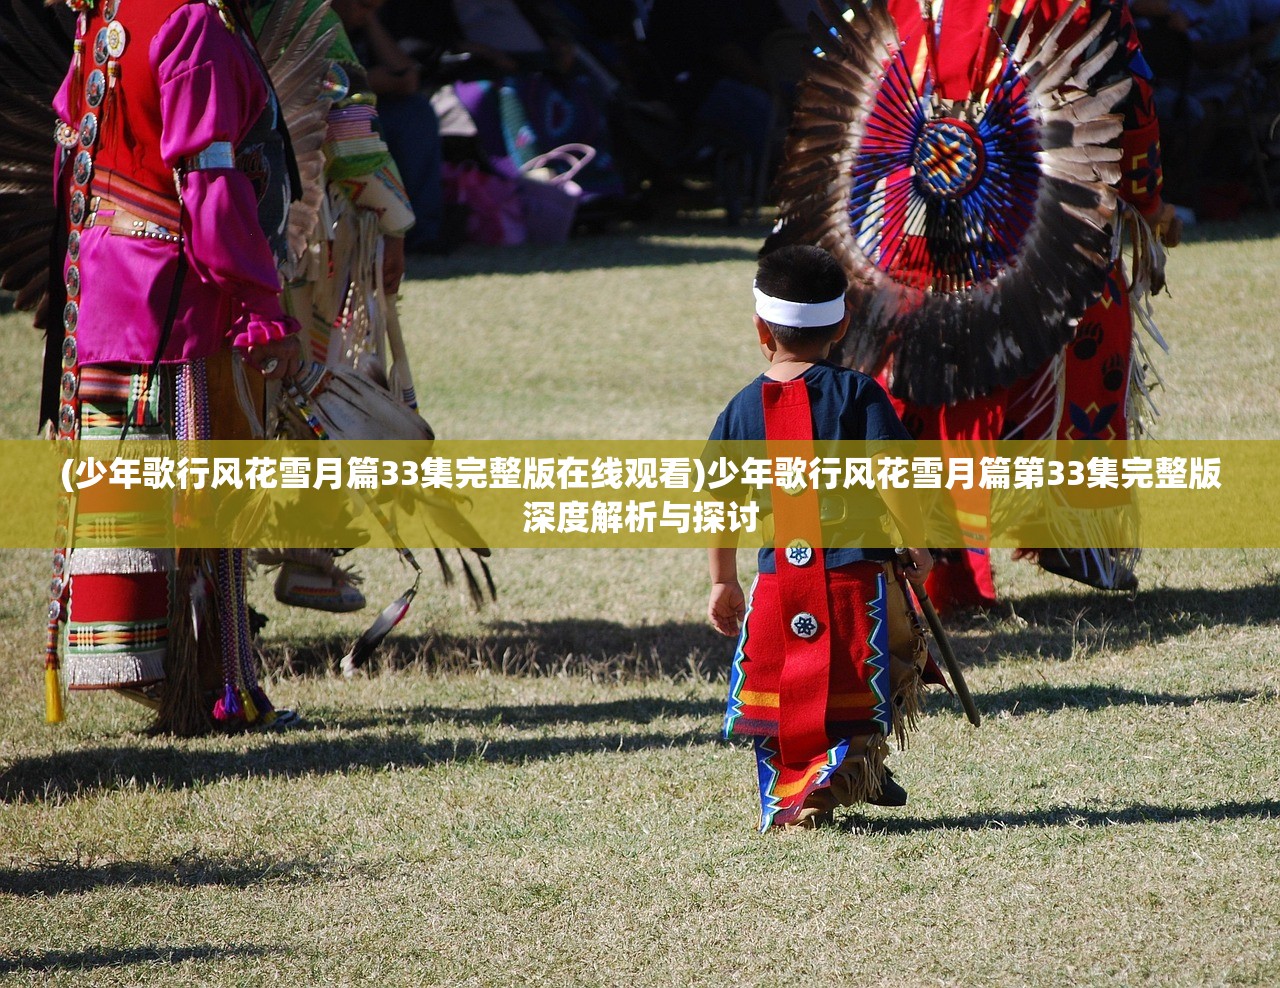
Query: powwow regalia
[130, 110]
[352, 197]
[830, 661]
[860, 686]
[172, 186]
[353, 200]
[978, 168]
[333, 280]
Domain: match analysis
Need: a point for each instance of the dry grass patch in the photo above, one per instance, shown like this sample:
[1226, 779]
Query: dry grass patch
[537, 794]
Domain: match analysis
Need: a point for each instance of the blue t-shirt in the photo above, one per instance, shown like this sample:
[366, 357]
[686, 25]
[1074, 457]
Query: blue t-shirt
[846, 405]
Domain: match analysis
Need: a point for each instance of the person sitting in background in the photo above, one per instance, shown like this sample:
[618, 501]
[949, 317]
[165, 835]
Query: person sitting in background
[433, 36]
[609, 31]
[409, 123]
[1184, 133]
[1224, 35]
[1226, 40]
[516, 73]
[708, 52]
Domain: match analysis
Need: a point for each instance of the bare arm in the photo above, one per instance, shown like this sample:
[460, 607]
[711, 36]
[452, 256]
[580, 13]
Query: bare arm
[726, 606]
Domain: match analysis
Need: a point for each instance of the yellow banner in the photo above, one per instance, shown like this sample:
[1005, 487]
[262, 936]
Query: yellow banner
[657, 494]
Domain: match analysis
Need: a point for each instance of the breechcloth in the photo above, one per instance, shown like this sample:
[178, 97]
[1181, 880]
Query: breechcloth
[873, 684]
[813, 682]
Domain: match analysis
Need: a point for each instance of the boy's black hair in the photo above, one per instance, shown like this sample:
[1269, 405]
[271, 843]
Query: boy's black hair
[801, 273]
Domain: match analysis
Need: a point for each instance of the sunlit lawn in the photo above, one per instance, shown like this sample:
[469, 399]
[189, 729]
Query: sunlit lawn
[537, 794]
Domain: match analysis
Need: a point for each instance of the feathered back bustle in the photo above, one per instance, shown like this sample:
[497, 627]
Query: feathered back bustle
[974, 230]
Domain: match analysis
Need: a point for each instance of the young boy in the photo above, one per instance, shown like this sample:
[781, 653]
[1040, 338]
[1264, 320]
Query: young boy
[829, 658]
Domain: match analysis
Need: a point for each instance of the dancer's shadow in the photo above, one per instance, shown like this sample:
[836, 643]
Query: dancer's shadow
[87, 772]
[187, 871]
[1063, 624]
[92, 959]
[1059, 624]
[572, 646]
[1062, 816]
[1042, 697]
[634, 710]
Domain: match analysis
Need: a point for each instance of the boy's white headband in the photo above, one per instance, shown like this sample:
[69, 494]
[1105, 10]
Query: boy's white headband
[801, 315]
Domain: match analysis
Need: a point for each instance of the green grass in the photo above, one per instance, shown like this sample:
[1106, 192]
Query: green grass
[537, 794]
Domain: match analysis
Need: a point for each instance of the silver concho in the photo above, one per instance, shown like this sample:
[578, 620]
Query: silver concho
[59, 564]
[83, 169]
[67, 419]
[100, 47]
[64, 134]
[88, 129]
[55, 610]
[73, 280]
[109, 11]
[69, 383]
[77, 208]
[73, 245]
[70, 316]
[95, 88]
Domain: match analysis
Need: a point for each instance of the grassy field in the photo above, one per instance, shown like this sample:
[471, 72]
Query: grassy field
[537, 794]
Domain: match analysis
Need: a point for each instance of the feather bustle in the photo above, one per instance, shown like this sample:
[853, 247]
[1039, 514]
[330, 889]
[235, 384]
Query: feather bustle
[1056, 267]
